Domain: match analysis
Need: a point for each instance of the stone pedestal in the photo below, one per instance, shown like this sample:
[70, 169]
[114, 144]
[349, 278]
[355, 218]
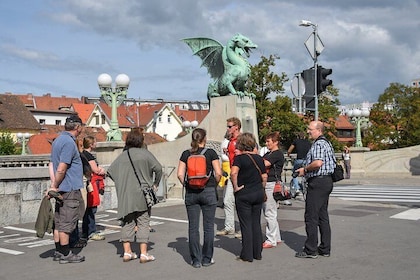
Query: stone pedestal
[357, 161]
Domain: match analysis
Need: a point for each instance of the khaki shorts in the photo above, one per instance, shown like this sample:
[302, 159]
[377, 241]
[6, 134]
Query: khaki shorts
[67, 213]
[141, 220]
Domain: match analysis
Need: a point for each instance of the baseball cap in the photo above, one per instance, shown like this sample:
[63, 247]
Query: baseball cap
[74, 119]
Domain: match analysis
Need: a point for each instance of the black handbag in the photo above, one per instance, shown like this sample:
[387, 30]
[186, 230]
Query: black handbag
[338, 174]
[148, 192]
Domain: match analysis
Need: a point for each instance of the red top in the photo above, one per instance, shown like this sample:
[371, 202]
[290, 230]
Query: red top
[231, 150]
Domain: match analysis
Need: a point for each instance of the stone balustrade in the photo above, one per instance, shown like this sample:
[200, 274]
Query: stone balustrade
[24, 179]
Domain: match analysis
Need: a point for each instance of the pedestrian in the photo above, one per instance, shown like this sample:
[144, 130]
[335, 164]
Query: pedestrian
[200, 200]
[67, 180]
[301, 145]
[273, 161]
[249, 178]
[320, 164]
[233, 126]
[133, 211]
[346, 158]
[96, 183]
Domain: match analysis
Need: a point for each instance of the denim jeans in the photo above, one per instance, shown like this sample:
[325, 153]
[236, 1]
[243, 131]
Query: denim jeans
[204, 201]
[296, 165]
[89, 224]
[229, 207]
[272, 230]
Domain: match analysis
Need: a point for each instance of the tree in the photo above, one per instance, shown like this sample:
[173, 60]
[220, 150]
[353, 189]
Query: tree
[7, 145]
[395, 119]
[273, 110]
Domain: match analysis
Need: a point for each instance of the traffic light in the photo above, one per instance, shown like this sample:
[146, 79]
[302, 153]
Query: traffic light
[308, 76]
[322, 81]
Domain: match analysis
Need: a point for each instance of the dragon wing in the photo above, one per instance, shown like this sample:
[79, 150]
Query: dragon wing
[210, 52]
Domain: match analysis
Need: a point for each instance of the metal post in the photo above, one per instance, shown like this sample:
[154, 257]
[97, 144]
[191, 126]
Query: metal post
[315, 70]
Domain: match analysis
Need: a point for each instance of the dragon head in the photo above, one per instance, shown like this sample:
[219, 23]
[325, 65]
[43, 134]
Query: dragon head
[242, 45]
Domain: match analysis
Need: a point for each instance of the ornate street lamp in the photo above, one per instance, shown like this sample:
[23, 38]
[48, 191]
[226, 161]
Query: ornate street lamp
[113, 96]
[189, 126]
[23, 138]
[359, 116]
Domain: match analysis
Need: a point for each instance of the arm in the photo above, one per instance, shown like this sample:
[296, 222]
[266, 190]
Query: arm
[316, 164]
[95, 168]
[217, 170]
[181, 171]
[290, 150]
[267, 163]
[264, 177]
[234, 177]
[59, 175]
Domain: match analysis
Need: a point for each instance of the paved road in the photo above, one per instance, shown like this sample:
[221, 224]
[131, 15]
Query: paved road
[371, 240]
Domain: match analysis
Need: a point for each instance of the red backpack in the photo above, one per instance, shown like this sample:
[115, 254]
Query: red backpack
[197, 175]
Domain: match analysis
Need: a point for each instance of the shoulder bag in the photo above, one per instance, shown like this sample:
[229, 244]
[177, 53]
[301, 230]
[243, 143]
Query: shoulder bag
[338, 173]
[149, 193]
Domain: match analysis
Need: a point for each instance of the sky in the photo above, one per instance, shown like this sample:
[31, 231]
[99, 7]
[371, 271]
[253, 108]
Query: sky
[61, 47]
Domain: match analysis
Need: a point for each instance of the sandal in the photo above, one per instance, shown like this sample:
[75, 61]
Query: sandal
[146, 258]
[129, 257]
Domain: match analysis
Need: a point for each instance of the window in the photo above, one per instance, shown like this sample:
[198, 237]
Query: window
[160, 118]
[96, 120]
[57, 122]
[169, 118]
[103, 119]
[41, 121]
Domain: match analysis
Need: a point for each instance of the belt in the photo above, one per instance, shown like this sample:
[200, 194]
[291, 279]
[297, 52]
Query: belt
[320, 177]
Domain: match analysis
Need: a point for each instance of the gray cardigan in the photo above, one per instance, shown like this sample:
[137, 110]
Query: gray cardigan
[129, 194]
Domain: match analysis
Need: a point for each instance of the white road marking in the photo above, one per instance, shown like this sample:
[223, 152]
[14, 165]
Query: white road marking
[11, 252]
[411, 214]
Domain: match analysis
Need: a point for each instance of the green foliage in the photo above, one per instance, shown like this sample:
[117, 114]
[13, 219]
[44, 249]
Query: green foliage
[7, 145]
[395, 119]
[273, 110]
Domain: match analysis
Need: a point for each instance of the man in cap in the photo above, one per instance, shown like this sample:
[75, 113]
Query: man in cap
[67, 181]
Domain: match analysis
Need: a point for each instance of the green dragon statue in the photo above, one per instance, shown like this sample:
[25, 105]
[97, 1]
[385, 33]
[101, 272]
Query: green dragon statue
[225, 64]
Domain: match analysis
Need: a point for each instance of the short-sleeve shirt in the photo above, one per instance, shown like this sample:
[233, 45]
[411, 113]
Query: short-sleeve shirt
[210, 155]
[249, 175]
[276, 158]
[302, 147]
[321, 149]
[64, 149]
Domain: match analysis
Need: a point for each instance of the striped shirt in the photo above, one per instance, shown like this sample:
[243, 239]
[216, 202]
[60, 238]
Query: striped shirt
[321, 149]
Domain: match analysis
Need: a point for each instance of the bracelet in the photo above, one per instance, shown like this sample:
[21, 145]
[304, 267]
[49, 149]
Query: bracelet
[305, 169]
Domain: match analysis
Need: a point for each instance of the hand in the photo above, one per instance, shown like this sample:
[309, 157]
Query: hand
[236, 189]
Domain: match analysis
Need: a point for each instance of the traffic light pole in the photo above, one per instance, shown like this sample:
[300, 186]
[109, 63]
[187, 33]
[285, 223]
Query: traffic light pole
[315, 58]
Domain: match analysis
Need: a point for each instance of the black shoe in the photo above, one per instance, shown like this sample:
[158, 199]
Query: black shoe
[205, 264]
[323, 254]
[304, 255]
[72, 258]
[196, 264]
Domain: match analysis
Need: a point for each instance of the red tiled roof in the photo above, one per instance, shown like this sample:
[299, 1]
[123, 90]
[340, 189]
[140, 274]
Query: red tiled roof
[14, 115]
[343, 123]
[47, 102]
[84, 110]
[191, 115]
[147, 111]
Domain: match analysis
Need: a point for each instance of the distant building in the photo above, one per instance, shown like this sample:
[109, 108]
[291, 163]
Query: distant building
[415, 83]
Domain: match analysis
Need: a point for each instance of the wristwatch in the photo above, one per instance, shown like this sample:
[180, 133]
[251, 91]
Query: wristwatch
[305, 169]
